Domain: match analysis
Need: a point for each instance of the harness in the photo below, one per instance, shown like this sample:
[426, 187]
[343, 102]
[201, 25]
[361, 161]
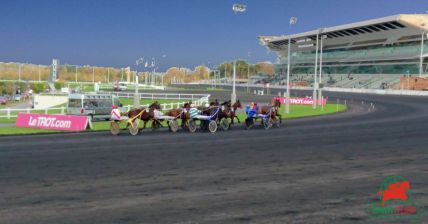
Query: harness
[212, 115]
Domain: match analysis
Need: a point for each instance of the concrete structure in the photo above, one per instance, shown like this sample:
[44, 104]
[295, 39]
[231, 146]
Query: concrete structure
[42, 101]
[390, 45]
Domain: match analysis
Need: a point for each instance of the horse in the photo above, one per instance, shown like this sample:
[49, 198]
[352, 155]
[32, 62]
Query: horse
[235, 106]
[181, 113]
[145, 114]
[273, 108]
[229, 111]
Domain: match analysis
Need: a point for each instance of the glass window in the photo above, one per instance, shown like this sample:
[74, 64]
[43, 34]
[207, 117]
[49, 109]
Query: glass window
[75, 103]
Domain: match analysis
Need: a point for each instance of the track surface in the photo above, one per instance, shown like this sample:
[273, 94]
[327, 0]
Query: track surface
[316, 170]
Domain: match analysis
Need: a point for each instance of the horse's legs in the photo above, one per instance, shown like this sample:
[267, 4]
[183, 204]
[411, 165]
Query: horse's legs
[183, 123]
[159, 123]
[237, 118]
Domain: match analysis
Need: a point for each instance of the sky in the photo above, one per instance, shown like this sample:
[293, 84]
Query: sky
[183, 33]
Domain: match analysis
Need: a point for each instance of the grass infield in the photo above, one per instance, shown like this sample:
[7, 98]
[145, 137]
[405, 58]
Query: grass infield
[296, 111]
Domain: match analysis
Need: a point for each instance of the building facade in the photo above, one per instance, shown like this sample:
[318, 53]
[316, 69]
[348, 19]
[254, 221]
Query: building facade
[395, 46]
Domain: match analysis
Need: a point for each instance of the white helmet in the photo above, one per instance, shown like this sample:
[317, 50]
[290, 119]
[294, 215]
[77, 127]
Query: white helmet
[192, 105]
[207, 104]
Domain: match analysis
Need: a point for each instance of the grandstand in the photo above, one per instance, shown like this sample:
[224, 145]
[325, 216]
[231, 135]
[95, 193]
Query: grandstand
[369, 54]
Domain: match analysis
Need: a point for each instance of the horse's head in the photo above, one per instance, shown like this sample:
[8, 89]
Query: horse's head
[227, 103]
[276, 102]
[237, 105]
[155, 106]
[187, 105]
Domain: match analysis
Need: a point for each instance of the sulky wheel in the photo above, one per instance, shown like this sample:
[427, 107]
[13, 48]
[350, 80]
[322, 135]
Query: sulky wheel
[173, 126]
[133, 129]
[277, 122]
[249, 123]
[225, 124]
[192, 125]
[267, 123]
[114, 128]
[212, 126]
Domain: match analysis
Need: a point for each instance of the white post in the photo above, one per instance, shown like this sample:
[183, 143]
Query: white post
[293, 20]
[422, 52]
[136, 96]
[320, 78]
[287, 102]
[62, 110]
[248, 77]
[233, 96]
[314, 94]
[8, 113]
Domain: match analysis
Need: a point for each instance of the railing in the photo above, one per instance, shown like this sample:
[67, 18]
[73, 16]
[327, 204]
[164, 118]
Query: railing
[132, 86]
[12, 113]
[160, 96]
[337, 89]
[172, 105]
[197, 99]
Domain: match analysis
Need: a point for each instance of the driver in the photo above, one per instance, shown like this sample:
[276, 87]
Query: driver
[116, 114]
[252, 109]
[196, 114]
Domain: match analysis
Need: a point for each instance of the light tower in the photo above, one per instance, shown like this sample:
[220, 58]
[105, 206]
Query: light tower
[293, 20]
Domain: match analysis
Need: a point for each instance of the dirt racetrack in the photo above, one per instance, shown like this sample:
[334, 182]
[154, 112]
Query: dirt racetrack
[316, 170]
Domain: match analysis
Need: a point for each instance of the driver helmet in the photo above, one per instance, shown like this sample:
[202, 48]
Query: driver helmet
[114, 107]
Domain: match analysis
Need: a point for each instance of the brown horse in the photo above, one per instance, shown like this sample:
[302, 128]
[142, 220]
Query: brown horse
[229, 111]
[181, 113]
[235, 106]
[145, 114]
[273, 108]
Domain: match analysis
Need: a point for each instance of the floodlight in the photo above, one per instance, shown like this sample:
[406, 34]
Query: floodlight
[239, 8]
[293, 20]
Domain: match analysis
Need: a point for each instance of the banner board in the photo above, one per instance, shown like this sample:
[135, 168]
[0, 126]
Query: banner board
[300, 101]
[52, 122]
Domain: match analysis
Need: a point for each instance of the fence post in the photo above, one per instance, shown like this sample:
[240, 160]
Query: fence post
[28, 110]
[46, 110]
[62, 110]
[8, 113]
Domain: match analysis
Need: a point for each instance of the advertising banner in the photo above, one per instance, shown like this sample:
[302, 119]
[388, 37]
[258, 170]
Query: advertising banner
[52, 122]
[300, 101]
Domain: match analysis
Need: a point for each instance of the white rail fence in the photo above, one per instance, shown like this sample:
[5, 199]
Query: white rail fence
[197, 99]
[12, 113]
[161, 96]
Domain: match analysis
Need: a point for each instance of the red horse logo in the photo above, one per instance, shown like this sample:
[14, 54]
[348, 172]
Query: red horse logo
[396, 190]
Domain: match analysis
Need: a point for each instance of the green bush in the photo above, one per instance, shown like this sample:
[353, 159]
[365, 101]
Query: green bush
[58, 85]
[39, 87]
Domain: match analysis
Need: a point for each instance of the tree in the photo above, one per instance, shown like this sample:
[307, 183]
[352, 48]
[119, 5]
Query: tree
[10, 88]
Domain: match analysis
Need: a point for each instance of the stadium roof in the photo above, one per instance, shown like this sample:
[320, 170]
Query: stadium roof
[386, 30]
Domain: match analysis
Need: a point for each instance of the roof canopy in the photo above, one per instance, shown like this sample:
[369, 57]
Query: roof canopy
[387, 30]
